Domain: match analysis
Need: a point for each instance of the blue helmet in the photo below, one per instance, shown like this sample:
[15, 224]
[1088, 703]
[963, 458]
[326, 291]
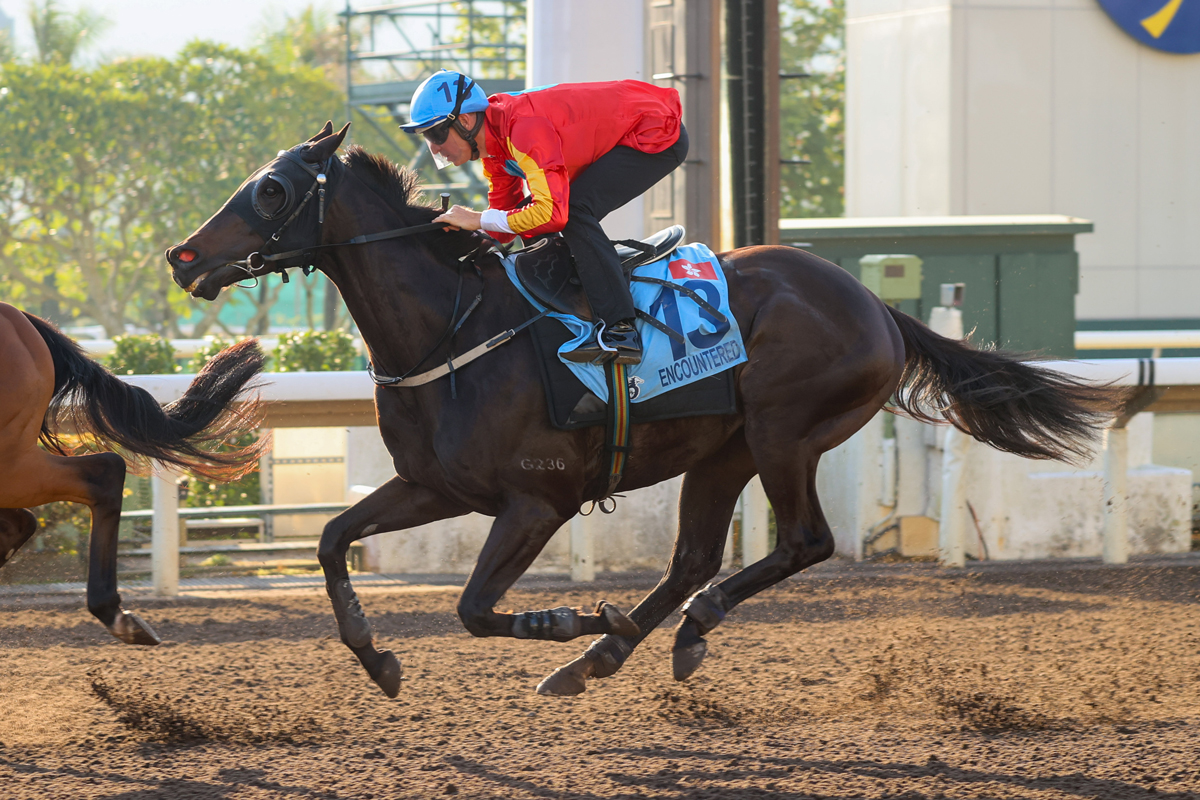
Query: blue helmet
[443, 95]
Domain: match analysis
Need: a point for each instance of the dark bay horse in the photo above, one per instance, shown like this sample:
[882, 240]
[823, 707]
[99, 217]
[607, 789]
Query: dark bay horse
[824, 356]
[50, 391]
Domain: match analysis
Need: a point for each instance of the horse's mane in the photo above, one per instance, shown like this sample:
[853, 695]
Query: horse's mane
[401, 189]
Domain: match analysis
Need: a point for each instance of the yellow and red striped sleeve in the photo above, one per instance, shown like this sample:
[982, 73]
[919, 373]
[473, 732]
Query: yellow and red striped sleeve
[535, 155]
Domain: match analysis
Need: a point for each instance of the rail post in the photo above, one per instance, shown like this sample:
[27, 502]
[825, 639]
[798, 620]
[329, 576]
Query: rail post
[952, 528]
[165, 533]
[1116, 486]
[755, 521]
[1116, 469]
[583, 561]
[946, 320]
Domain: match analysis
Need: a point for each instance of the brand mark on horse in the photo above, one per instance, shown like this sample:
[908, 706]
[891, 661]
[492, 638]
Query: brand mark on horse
[543, 464]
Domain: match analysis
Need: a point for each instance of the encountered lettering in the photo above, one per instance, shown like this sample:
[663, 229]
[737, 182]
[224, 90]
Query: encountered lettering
[710, 360]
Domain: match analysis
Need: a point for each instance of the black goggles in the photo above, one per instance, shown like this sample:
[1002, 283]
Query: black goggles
[439, 133]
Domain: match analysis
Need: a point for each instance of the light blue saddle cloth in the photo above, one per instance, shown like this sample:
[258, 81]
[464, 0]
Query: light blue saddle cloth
[710, 345]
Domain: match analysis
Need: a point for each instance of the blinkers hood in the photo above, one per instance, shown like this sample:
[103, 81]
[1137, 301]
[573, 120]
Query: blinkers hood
[286, 225]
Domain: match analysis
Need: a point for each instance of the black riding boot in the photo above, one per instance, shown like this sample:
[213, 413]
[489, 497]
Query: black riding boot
[621, 343]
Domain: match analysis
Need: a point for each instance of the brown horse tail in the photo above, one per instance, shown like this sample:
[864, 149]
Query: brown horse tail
[998, 397]
[195, 432]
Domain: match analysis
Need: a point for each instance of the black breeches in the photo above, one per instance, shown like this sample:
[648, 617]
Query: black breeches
[613, 180]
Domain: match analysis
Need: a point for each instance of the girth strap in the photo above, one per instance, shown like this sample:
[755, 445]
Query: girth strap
[618, 422]
[700, 301]
[662, 326]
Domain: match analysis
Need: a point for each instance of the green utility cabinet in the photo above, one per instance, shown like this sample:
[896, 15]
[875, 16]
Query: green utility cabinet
[1021, 272]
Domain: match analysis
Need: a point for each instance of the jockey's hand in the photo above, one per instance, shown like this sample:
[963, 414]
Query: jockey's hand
[459, 218]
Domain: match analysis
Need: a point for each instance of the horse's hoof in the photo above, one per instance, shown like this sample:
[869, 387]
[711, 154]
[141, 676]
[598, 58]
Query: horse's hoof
[686, 660]
[387, 673]
[17, 526]
[618, 624]
[567, 681]
[132, 629]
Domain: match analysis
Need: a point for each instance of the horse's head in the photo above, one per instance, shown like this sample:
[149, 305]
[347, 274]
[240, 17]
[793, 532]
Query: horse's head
[276, 210]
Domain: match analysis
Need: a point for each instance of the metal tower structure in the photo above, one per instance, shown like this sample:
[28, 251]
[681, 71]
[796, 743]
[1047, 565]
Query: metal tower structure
[391, 48]
[752, 87]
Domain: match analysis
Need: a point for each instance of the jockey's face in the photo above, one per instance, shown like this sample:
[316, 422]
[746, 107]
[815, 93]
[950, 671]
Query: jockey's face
[455, 149]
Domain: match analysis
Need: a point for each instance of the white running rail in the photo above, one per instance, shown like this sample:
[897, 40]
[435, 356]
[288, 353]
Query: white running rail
[1155, 379]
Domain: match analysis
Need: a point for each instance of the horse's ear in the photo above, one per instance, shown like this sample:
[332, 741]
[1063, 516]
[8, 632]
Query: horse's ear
[325, 147]
[328, 129]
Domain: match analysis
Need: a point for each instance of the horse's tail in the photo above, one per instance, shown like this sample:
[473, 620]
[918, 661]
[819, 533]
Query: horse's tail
[195, 432]
[998, 397]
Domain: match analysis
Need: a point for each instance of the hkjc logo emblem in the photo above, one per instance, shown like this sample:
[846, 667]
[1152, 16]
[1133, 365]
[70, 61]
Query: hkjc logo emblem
[682, 269]
[1170, 25]
[634, 385]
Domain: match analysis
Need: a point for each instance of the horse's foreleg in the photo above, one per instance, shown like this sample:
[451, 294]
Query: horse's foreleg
[706, 503]
[395, 506]
[17, 526]
[517, 536]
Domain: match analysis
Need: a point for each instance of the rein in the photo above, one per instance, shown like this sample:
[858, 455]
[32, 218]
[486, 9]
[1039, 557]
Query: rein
[258, 261]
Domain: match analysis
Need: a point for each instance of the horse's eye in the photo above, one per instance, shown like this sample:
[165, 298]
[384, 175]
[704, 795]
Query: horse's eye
[270, 191]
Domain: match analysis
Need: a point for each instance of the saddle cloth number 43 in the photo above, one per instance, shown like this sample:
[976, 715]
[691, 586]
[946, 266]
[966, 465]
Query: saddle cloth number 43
[668, 303]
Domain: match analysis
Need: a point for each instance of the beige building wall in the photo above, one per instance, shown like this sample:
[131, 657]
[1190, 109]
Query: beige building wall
[1031, 107]
[307, 467]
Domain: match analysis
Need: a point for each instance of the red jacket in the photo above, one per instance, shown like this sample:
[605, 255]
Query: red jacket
[545, 137]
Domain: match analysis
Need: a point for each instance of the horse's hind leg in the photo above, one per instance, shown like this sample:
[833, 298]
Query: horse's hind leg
[17, 526]
[517, 536]
[36, 477]
[706, 503]
[102, 478]
[789, 475]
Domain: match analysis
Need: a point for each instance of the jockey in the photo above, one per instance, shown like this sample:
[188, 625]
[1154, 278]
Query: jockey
[582, 149]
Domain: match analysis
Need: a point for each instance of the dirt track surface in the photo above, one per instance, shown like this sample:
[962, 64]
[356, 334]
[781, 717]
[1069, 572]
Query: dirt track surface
[1074, 681]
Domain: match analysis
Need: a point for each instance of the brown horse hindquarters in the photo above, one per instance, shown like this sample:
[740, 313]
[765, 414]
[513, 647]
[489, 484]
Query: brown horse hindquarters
[28, 382]
[49, 385]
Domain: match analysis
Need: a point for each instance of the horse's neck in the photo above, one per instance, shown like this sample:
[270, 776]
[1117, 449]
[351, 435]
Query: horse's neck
[401, 305]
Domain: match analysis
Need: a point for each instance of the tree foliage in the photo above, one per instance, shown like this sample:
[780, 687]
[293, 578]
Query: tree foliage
[8, 48]
[311, 37]
[811, 110]
[102, 169]
[59, 35]
[490, 34]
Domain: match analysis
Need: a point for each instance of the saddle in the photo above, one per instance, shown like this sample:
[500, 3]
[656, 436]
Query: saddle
[547, 270]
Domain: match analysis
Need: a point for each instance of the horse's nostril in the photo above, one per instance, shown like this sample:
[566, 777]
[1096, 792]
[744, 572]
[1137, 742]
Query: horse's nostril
[187, 256]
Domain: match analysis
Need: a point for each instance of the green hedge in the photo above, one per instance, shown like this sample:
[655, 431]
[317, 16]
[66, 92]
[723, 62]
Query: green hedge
[316, 351]
[142, 354]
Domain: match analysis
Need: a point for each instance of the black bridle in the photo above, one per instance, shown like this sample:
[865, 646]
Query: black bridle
[257, 263]
[252, 210]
